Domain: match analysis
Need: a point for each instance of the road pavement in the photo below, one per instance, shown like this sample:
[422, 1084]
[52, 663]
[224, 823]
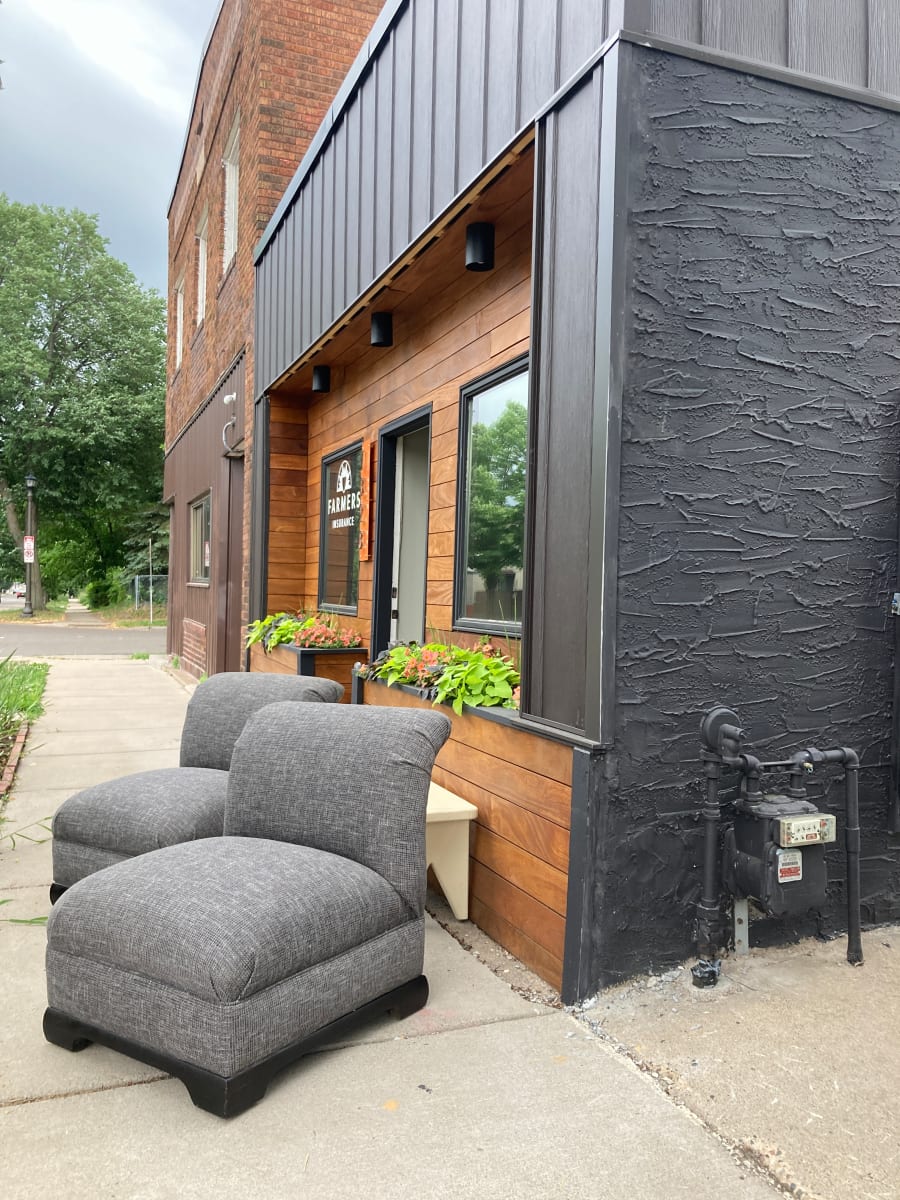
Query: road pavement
[82, 633]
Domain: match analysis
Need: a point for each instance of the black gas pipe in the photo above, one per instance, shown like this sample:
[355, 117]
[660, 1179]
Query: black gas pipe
[722, 738]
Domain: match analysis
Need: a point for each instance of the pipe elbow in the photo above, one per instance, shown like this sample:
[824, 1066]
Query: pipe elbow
[850, 759]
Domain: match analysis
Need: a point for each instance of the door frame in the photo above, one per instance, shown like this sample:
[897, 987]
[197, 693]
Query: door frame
[385, 492]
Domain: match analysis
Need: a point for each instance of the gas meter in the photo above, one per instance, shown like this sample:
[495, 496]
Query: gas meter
[775, 853]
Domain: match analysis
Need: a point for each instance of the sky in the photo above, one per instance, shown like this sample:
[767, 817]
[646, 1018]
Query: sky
[95, 102]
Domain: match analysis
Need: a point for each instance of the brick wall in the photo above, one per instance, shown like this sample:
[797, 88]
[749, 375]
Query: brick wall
[278, 64]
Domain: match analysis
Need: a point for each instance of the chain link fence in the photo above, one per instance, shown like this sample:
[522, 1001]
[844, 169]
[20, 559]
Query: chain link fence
[147, 588]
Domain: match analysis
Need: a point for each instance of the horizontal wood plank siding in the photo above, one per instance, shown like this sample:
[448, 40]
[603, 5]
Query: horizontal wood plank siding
[288, 483]
[520, 840]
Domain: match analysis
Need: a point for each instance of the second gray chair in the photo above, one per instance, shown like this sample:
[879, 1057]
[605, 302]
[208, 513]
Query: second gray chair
[134, 814]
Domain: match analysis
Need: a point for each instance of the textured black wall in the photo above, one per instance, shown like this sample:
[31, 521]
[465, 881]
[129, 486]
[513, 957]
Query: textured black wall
[758, 526]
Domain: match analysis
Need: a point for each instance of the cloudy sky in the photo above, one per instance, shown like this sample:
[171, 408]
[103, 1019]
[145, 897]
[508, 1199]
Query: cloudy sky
[95, 101]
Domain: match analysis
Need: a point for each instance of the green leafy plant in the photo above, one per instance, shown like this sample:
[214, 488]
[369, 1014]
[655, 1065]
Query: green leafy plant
[140, 656]
[309, 631]
[481, 678]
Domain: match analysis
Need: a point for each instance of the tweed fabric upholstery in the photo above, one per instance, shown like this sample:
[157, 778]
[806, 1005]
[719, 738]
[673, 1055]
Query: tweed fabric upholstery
[229, 1037]
[224, 918]
[352, 781]
[220, 706]
[133, 815]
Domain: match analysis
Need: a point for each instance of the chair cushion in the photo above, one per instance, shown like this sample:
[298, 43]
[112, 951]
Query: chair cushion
[142, 812]
[224, 918]
[220, 707]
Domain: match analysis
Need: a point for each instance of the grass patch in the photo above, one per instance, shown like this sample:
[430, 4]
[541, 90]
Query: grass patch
[21, 688]
[140, 656]
[55, 611]
[126, 616]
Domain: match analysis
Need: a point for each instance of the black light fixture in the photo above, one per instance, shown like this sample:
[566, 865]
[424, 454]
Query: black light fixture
[321, 379]
[480, 246]
[382, 329]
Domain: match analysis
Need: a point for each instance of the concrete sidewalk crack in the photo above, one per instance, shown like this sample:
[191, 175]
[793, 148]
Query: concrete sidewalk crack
[103, 1087]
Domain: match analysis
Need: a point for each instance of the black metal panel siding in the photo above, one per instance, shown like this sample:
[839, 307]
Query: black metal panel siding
[450, 86]
[562, 398]
[759, 469]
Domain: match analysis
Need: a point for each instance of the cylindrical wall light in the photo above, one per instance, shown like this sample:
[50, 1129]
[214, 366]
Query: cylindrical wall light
[480, 246]
[321, 379]
[382, 329]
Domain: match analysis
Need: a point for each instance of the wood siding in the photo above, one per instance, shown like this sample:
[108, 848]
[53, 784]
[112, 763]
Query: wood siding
[442, 88]
[521, 785]
[450, 327]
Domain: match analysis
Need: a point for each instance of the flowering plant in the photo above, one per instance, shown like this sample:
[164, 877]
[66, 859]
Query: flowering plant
[315, 630]
[482, 677]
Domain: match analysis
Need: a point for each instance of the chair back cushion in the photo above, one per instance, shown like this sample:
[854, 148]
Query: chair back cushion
[349, 779]
[221, 705]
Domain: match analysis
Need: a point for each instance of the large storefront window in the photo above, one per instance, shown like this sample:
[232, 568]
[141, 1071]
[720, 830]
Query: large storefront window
[491, 510]
[339, 549]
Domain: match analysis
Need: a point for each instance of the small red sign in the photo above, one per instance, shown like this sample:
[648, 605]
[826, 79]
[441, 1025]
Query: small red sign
[28, 548]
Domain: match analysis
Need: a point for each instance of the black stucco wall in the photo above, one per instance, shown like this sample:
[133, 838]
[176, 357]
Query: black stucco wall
[758, 527]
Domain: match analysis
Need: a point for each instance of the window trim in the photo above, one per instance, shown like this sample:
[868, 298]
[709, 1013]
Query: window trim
[231, 166]
[202, 267]
[198, 505]
[516, 366]
[179, 321]
[346, 609]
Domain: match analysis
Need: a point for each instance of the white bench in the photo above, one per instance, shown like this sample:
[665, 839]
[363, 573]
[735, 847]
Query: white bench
[447, 845]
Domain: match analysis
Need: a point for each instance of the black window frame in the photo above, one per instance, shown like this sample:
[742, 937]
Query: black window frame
[484, 383]
[350, 610]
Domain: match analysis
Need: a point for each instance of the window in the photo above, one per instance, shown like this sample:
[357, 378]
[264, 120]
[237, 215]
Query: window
[200, 538]
[179, 322]
[339, 531]
[202, 250]
[490, 536]
[230, 163]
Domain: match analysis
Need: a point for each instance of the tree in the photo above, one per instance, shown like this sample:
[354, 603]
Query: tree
[497, 494]
[82, 385]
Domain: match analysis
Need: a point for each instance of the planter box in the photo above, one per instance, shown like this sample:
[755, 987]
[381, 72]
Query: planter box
[521, 783]
[296, 660]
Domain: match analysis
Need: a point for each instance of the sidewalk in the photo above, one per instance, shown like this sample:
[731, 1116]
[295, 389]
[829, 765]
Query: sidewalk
[483, 1094]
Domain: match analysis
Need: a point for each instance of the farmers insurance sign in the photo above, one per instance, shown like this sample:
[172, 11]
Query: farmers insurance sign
[343, 498]
[339, 564]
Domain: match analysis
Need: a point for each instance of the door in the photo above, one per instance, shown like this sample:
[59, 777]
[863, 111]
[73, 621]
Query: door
[410, 550]
[401, 543]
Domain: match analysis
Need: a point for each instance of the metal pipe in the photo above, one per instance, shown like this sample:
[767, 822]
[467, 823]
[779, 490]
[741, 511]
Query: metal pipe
[852, 841]
[709, 913]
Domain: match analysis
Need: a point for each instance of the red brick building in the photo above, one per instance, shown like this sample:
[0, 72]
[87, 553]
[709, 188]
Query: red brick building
[269, 71]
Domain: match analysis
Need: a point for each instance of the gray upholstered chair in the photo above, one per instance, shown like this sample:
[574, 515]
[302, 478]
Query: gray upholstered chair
[223, 960]
[134, 814]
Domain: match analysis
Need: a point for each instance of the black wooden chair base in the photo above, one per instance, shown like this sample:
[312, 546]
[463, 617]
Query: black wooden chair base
[232, 1096]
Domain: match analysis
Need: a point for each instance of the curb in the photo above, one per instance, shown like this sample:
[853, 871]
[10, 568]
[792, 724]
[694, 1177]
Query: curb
[9, 771]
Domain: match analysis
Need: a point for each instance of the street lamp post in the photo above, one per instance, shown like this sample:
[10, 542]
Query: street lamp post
[30, 484]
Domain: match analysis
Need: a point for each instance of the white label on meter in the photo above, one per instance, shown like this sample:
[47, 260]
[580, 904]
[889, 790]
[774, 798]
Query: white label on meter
[801, 831]
[789, 865]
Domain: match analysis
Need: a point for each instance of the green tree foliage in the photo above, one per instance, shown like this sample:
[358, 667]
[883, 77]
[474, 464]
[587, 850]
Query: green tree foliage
[497, 494]
[82, 387]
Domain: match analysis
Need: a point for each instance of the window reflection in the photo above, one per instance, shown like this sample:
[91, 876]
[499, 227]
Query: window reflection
[493, 517]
